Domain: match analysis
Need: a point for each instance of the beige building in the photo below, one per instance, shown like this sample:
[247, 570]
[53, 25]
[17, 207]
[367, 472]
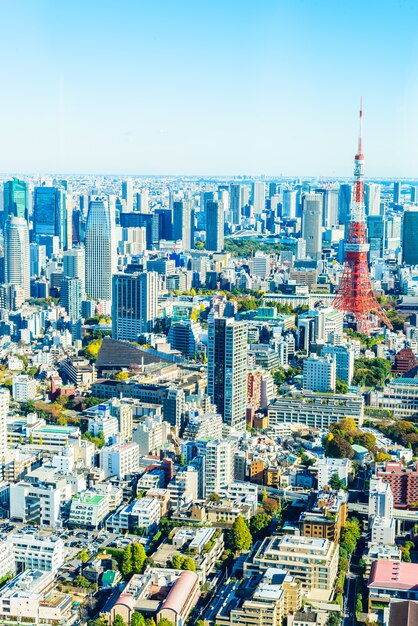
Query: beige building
[312, 561]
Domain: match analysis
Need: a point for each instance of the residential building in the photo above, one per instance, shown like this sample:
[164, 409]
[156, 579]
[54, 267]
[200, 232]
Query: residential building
[120, 460]
[319, 373]
[344, 360]
[36, 502]
[151, 435]
[74, 265]
[403, 482]
[383, 531]
[227, 369]
[380, 499]
[328, 467]
[144, 513]
[314, 562]
[325, 516]
[4, 411]
[71, 295]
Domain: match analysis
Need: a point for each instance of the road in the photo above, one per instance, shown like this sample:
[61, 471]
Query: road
[350, 586]
[409, 516]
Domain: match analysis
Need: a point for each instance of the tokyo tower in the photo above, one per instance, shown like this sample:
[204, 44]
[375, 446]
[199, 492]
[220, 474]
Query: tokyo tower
[355, 294]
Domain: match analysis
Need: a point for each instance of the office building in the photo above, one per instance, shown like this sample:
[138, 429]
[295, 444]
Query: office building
[312, 224]
[89, 509]
[260, 265]
[134, 304]
[289, 204]
[100, 250]
[215, 220]
[142, 201]
[16, 254]
[37, 503]
[15, 199]
[36, 551]
[74, 263]
[344, 360]
[397, 192]
[37, 259]
[227, 368]
[319, 373]
[383, 531]
[258, 196]
[410, 236]
[391, 580]
[315, 411]
[376, 236]
[183, 227]
[184, 336]
[372, 198]
[151, 435]
[236, 195]
[128, 194]
[329, 207]
[344, 203]
[71, 296]
[393, 231]
[47, 211]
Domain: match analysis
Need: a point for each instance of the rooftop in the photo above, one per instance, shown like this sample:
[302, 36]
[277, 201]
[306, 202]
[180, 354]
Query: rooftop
[394, 575]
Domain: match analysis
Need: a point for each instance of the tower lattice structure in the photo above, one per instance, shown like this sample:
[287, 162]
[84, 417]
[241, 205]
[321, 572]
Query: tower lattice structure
[355, 294]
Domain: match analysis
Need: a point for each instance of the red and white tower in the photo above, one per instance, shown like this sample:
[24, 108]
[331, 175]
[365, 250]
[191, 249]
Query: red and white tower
[355, 294]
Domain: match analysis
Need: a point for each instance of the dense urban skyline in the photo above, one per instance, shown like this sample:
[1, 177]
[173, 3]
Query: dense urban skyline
[225, 89]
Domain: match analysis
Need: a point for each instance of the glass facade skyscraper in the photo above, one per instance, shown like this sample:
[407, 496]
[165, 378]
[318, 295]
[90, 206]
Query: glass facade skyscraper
[15, 199]
[101, 249]
[134, 304]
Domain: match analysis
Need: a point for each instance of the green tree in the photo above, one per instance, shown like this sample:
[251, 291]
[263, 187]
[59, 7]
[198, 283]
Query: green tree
[242, 539]
[121, 375]
[340, 386]
[337, 447]
[165, 622]
[137, 619]
[182, 460]
[138, 558]
[189, 564]
[81, 581]
[84, 555]
[270, 506]
[150, 622]
[119, 621]
[214, 497]
[259, 525]
[336, 483]
[359, 603]
[127, 561]
[177, 561]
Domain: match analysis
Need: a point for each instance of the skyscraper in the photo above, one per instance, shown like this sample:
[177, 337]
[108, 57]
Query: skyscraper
[375, 235]
[142, 201]
[289, 203]
[372, 199]
[182, 223]
[397, 192]
[227, 368]
[134, 304]
[16, 253]
[128, 193]
[15, 199]
[258, 196]
[4, 411]
[344, 203]
[75, 265]
[236, 196]
[71, 296]
[101, 258]
[330, 208]
[312, 224]
[215, 220]
[410, 236]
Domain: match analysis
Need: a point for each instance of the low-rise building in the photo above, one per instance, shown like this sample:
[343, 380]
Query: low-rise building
[325, 516]
[120, 460]
[89, 509]
[314, 562]
[23, 388]
[144, 513]
[36, 551]
[391, 579]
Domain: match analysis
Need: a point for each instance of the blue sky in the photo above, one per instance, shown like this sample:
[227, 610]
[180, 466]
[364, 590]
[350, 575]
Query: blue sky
[208, 86]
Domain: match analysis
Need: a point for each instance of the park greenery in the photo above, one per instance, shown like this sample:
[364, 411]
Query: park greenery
[371, 372]
[342, 435]
[244, 248]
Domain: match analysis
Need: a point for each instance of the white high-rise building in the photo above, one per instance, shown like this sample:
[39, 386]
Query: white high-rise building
[101, 245]
[258, 198]
[380, 499]
[372, 198]
[120, 459]
[312, 224]
[128, 193]
[16, 253]
[134, 304]
[260, 265]
[319, 373]
[74, 262]
[219, 465]
[4, 410]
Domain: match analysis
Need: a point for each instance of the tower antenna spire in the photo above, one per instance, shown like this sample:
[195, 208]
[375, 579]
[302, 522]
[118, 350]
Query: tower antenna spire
[355, 294]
